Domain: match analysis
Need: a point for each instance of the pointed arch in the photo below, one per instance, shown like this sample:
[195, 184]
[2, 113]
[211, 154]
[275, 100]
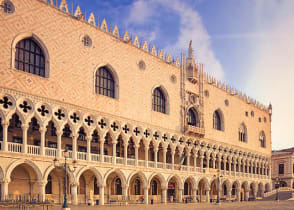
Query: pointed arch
[16, 163]
[95, 171]
[141, 175]
[178, 180]
[119, 173]
[218, 120]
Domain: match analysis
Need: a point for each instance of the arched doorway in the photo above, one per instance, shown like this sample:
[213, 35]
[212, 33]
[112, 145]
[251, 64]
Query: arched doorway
[24, 183]
[283, 184]
[173, 190]
[213, 189]
[203, 190]
[136, 188]
[115, 187]
[188, 190]
[88, 188]
[155, 190]
[252, 191]
[54, 189]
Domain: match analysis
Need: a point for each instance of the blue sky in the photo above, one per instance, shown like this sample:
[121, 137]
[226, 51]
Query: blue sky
[246, 43]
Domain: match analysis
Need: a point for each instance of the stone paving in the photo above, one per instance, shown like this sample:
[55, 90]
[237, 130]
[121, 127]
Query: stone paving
[264, 205]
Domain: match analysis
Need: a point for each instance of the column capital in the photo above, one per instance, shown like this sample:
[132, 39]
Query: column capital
[24, 126]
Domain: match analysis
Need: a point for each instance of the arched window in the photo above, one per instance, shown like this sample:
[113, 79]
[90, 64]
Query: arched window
[217, 121]
[193, 118]
[243, 133]
[154, 187]
[48, 188]
[105, 84]
[262, 139]
[29, 57]
[118, 188]
[159, 102]
[137, 187]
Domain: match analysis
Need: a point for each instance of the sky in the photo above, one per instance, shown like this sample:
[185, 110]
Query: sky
[249, 44]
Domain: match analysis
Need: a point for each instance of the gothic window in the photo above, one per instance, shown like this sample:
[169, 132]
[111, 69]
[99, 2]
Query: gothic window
[29, 57]
[159, 101]
[262, 139]
[82, 134]
[105, 84]
[48, 188]
[66, 131]
[243, 133]
[217, 121]
[281, 168]
[193, 118]
[118, 188]
[137, 186]
[96, 188]
[154, 187]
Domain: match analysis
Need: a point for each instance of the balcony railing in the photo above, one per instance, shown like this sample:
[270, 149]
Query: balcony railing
[52, 152]
[82, 156]
[14, 147]
[33, 150]
[195, 130]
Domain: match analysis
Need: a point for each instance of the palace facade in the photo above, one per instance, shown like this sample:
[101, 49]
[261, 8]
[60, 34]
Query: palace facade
[283, 167]
[139, 124]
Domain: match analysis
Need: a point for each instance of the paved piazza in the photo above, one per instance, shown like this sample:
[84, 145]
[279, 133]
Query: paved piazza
[232, 206]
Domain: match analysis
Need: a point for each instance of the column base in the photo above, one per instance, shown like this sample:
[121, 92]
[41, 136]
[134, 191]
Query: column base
[65, 208]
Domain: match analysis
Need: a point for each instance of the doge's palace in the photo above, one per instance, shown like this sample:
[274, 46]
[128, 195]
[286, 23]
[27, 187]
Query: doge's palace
[139, 124]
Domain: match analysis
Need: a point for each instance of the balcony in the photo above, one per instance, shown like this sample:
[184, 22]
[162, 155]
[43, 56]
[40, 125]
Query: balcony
[192, 74]
[195, 130]
[84, 156]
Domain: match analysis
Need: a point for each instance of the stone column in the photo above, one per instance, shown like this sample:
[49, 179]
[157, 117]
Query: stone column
[74, 147]
[195, 161]
[201, 162]
[4, 190]
[225, 165]
[24, 138]
[219, 164]
[239, 165]
[88, 138]
[101, 148]
[246, 196]
[173, 159]
[74, 194]
[59, 134]
[180, 194]
[230, 166]
[207, 161]
[188, 160]
[136, 154]
[125, 192]
[5, 140]
[194, 195]
[238, 194]
[163, 195]
[155, 156]
[207, 196]
[146, 155]
[164, 157]
[42, 145]
[42, 186]
[114, 152]
[101, 195]
[213, 162]
[125, 153]
[243, 166]
[235, 164]
[146, 195]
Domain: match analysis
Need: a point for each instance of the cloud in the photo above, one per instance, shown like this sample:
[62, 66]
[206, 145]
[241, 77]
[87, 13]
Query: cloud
[273, 74]
[149, 14]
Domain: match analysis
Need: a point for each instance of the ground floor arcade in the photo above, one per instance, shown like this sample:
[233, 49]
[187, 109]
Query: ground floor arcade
[27, 180]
